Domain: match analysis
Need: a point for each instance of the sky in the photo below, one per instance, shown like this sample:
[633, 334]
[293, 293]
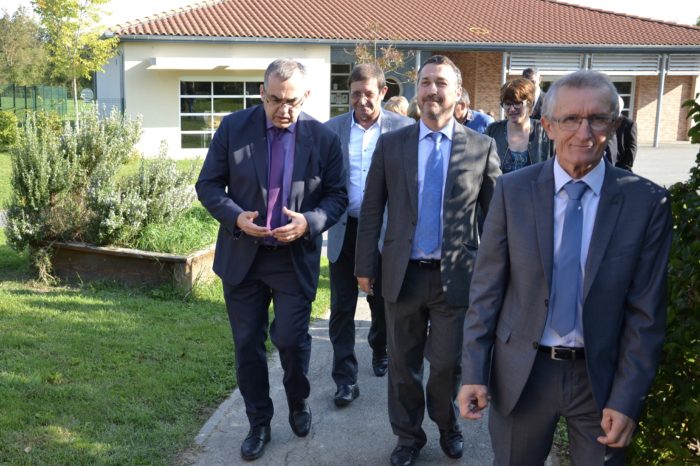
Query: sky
[679, 11]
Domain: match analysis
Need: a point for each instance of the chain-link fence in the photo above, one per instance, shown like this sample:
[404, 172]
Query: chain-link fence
[20, 99]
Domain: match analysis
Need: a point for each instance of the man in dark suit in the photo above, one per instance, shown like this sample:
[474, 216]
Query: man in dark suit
[274, 179]
[430, 178]
[358, 130]
[622, 146]
[568, 298]
[533, 74]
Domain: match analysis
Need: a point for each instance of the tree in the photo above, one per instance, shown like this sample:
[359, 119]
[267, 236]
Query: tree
[23, 59]
[387, 57]
[74, 43]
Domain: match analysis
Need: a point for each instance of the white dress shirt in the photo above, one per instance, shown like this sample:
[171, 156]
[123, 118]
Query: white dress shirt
[589, 204]
[425, 147]
[360, 150]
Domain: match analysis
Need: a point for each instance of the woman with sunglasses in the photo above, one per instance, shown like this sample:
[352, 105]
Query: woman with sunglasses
[520, 140]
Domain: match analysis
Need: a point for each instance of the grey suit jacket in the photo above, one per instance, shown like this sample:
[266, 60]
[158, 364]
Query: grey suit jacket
[393, 182]
[624, 294]
[341, 126]
[234, 179]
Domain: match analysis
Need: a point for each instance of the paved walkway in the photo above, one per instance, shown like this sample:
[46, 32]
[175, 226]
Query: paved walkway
[359, 434]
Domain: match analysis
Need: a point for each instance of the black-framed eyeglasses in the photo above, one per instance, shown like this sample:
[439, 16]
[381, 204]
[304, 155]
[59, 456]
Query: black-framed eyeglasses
[515, 105]
[595, 122]
[277, 104]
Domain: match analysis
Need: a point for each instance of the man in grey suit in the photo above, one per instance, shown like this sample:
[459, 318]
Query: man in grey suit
[430, 178]
[568, 298]
[274, 179]
[358, 130]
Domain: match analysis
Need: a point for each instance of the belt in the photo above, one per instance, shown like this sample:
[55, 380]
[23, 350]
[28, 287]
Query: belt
[563, 353]
[426, 263]
[272, 247]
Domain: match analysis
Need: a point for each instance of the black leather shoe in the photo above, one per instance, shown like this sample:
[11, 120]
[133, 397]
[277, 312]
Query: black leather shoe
[346, 394]
[452, 443]
[300, 417]
[404, 456]
[253, 446]
[380, 364]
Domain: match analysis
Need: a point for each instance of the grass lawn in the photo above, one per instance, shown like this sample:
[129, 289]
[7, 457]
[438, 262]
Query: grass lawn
[5, 171]
[100, 374]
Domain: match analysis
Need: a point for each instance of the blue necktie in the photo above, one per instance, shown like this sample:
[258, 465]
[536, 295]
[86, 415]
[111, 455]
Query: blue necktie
[568, 280]
[428, 229]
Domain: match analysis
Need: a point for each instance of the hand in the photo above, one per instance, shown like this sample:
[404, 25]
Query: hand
[245, 223]
[366, 285]
[472, 399]
[618, 429]
[295, 229]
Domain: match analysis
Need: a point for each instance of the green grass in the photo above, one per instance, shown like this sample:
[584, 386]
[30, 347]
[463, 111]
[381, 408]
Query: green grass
[5, 172]
[100, 374]
[132, 166]
[192, 231]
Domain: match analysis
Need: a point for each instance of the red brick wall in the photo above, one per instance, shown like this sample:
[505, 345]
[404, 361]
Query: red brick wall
[481, 77]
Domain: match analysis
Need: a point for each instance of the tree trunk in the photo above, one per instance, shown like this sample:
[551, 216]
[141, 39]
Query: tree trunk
[75, 104]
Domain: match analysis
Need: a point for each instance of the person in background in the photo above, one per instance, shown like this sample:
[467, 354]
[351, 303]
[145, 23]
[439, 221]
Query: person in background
[521, 140]
[533, 74]
[622, 147]
[274, 179]
[472, 119]
[397, 104]
[358, 131]
[413, 109]
[568, 298]
[429, 178]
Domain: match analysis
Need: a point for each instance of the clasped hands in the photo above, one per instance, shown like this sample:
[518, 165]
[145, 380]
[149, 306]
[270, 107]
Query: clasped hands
[295, 229]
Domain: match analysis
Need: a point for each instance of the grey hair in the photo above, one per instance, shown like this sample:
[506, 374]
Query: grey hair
[283, 68]
[464, 98]
[582, 79]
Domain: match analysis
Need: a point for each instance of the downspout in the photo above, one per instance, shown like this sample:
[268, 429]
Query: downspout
[504, 72]
[660, 97]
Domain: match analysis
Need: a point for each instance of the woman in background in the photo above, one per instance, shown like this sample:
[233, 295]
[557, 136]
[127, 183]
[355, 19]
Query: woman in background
[520, 140]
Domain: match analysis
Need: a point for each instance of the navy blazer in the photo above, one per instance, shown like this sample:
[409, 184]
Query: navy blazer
[234, 179]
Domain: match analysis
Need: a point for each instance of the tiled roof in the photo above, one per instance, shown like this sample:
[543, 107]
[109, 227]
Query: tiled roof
[466, 22]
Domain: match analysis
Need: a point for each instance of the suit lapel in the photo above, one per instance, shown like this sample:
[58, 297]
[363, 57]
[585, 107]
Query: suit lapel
[302, 152]
[609, 208]
[409, 156]
[344, 135]
[543, 206]
[260, 153]
[459, 143]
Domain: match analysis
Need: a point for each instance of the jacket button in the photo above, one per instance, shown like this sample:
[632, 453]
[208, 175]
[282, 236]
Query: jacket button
[535, 345]
[546, 303]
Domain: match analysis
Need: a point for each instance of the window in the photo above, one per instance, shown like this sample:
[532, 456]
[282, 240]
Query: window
[203, 104]
[340, 92]
[624, 86]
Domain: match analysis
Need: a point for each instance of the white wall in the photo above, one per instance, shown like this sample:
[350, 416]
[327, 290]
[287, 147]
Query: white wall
[154, 93]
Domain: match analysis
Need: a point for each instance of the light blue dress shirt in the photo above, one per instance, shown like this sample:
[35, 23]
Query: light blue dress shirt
[425, 147]
[360, 150]
[589, 203]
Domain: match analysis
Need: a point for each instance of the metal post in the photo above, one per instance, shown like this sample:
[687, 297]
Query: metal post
[504, 72]
[660, 98]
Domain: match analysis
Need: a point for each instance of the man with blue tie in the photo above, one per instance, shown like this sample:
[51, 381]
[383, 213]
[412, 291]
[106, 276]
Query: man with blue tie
[568, 298]
[274, 179]
[430, 178]
[358, 130]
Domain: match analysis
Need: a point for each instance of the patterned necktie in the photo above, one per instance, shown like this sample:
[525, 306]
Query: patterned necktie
[428, 229]
[568, 280]
[276, 179]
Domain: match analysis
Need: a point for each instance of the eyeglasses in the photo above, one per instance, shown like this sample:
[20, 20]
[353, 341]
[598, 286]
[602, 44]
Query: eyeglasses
[277, 104]
[515, 105]
[573, 122]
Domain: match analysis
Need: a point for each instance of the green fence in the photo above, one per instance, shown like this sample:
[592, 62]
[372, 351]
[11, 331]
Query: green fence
[20, 99]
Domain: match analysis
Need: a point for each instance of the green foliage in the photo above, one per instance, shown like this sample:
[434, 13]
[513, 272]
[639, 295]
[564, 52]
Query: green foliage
[23, 59]
[8, 128]
[669, 431]
[193, 230]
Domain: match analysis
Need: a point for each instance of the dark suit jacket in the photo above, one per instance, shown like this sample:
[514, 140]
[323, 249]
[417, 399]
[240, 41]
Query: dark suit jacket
[539, 146]
[622, 147]
[341, 126]
[624, 289]
[393, 182]
[234, 179]
[537, 108]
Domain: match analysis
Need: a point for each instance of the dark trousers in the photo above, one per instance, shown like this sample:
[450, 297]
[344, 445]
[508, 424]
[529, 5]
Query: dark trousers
[271, 278]
[341, 327]
[554, 389]
[420, 301]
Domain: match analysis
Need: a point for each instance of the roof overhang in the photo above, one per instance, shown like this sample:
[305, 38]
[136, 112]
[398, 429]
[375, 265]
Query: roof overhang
[207, 64]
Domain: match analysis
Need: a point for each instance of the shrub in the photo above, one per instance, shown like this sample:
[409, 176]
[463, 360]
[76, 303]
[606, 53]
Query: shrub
[8, 128]
[669, 431]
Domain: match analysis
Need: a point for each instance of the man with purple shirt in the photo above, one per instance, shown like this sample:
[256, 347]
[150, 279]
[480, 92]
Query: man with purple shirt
[274, 179]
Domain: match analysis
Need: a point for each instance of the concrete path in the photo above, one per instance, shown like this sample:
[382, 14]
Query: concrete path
[359, 434]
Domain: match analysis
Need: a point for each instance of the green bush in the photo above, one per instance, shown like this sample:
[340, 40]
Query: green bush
[66, 186]
[669, 431]
[8, 128]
